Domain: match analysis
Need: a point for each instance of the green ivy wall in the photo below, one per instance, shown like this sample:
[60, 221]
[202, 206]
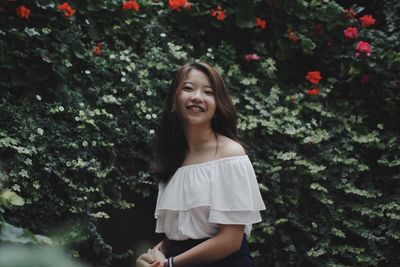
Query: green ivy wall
[82, 86]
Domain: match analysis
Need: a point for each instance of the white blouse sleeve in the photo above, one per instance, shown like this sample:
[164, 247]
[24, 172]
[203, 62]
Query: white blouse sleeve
[234, 194]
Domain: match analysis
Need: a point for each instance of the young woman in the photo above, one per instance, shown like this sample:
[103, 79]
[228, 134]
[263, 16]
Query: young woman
[208, 196]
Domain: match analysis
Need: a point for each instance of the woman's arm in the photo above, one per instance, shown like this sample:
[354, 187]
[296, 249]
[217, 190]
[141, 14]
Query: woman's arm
[160, 246]
[227, 241]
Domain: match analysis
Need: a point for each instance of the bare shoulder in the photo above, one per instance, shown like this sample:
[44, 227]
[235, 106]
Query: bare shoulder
[229, 147]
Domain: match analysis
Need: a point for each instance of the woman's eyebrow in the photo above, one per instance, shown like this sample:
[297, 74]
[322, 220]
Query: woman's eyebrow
[207, 85]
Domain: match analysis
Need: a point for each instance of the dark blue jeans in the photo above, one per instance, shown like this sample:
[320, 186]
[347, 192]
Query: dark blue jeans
[240, 258]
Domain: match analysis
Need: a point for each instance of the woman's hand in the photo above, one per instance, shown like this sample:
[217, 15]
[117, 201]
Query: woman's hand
[162, 263]
[157, 254]
[145, 260]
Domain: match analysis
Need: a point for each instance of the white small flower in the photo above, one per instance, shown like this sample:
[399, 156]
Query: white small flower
[84, 143]
[126, 51]
[123, 73]
[87, 72]
[81, 104]
[61, 108]
[87, 22]
[77, 119]
[148, 93]
[68, 164]
[94, 143]
[121, 57]
[154, 115]
[209, 49]
[163, 35]
[40, 131]
[148, 116]
[123, 79]
[112, 56]
[151, 131]
[81, 113]
[38, 97]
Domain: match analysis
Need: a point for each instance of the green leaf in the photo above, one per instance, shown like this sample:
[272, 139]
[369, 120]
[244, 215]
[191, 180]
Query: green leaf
[245, 17]
[12, 198]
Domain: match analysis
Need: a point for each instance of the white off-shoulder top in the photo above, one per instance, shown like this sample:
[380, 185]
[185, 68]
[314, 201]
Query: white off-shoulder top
[200, 196]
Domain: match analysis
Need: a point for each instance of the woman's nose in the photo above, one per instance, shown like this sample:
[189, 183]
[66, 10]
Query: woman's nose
[197, 95]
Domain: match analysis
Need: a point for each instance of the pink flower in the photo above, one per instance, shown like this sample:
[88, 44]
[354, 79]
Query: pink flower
[261, 23]
[367, 20]
[363, 48]
[178, 4]
[313, 77]
[132, 4]
[252, 57]
[292, 36]
[218, 13]
[66, 9]
[314, 91]
[351, 33]
[98, 49]
[23, 12]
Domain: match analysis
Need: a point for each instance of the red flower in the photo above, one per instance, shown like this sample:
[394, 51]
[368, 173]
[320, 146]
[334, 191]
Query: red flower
[351, 33]
[363, 48]
[132, 4]
[319, 29]
[252, 57]
[23, 12]
[261, 23]
[367, 20]
[292, 36]
[98, 49]
[314, 76]
[314, 91]
[65, 7]
[395, 86]
[178, 4]
[349, 13]
[218, 13]
[365, 79]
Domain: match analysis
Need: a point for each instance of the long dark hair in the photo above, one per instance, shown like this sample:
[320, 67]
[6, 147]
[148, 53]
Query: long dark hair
[170, 146]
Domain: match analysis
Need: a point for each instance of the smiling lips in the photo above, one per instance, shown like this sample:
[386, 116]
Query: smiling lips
[196, 108]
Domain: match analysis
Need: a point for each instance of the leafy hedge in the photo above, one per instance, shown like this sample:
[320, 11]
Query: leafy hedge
[83, 82]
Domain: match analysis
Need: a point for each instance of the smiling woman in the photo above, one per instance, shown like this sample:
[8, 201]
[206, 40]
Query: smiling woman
[196, 101]
[208, 194]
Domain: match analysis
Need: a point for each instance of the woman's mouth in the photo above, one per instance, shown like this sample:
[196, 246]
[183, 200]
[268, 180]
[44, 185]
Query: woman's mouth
[195, 108]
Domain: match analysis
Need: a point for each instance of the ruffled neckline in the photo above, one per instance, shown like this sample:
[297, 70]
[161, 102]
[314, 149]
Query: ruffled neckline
[201, 164]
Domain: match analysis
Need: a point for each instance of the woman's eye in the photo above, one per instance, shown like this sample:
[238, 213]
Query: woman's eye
[186, 88]
[209, 92]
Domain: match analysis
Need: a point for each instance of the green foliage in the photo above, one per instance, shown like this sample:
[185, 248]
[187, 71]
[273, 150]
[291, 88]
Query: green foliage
[12, 234]
[76, 127]
[18, 256]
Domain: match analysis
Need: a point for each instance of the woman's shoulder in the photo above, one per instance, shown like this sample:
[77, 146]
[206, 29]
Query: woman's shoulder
[228, 147]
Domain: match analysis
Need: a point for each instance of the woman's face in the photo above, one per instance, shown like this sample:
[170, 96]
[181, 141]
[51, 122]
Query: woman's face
[195, 99]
